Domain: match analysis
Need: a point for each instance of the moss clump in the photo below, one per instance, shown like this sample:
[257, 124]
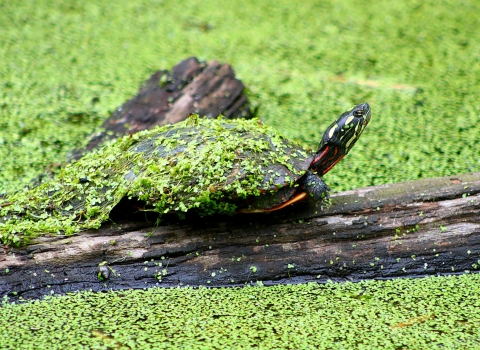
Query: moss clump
[204, 164]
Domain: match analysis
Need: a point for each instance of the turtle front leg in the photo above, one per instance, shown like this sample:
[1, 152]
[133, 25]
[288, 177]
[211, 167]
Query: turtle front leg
[313, 185]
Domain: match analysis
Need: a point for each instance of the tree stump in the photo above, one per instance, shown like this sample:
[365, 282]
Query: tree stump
[411, 229]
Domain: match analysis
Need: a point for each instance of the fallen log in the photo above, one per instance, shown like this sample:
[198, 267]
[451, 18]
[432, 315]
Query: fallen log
[411, 229]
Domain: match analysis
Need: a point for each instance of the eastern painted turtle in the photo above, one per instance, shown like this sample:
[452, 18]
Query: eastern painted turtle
[210, 165]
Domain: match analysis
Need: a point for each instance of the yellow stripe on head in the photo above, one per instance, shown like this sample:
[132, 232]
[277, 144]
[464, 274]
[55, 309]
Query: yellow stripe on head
[353, 139]
[332, 130]
[349, 120]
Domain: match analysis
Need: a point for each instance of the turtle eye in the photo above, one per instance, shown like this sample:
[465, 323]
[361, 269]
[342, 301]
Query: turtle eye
[358, 113]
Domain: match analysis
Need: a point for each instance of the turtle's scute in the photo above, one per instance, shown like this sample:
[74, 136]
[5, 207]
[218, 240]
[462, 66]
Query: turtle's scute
[200, 163]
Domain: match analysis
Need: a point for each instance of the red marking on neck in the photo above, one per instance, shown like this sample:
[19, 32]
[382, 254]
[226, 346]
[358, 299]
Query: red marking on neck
[317, 158]
[331, 166]
[326, 160]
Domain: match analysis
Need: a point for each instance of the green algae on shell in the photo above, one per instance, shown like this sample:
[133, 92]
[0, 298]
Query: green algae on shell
[209, 165]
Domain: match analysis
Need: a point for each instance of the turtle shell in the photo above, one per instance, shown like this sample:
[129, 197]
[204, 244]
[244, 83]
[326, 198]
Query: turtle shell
[204, 164]
[213, 165]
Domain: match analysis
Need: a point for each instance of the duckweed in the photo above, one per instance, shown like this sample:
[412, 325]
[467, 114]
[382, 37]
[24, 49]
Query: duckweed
[67, 65]
[423, 313]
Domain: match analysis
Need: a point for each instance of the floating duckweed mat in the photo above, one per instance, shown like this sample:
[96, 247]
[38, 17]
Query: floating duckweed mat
[203, 164]
[398, 314]
[67, 65]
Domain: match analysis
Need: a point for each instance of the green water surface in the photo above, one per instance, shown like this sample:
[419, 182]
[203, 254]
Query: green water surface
[66, 65]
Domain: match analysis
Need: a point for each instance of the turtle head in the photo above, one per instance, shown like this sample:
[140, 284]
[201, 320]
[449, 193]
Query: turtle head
[340, 137]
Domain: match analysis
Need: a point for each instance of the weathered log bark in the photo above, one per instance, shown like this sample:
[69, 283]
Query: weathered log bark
[410, 229]
[208, 89]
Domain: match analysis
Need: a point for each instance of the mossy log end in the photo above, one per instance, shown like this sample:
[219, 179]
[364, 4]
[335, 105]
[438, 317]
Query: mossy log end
[410, 229]
[167, 97]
